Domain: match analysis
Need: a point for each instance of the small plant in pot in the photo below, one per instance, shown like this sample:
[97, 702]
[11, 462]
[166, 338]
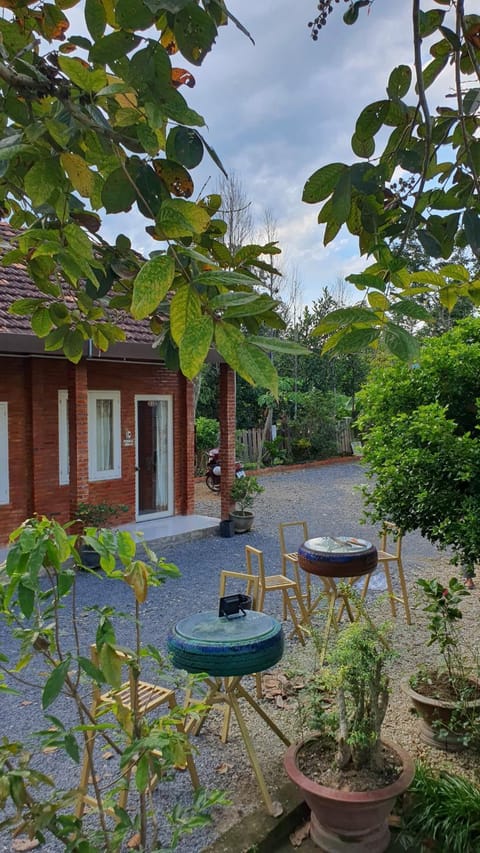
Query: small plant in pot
[349, 776]
[447, 695]
[243, 492]
[92, 516]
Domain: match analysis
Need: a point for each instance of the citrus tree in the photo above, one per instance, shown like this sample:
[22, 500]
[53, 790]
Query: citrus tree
[416, 174]
[421, 442]
[94, 122]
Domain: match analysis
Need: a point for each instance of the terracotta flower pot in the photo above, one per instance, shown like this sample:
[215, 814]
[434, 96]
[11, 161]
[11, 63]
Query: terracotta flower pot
[436, 715]
[353, 821]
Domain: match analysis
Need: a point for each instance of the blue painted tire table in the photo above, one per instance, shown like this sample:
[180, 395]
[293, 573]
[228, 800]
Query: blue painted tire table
[226, 649]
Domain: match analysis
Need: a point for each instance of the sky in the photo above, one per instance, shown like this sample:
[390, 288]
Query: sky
[280, 109]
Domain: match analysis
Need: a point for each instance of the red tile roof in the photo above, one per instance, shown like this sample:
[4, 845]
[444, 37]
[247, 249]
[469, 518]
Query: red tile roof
[16, 284]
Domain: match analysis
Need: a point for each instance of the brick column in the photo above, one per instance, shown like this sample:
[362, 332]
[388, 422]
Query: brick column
[78, 434]
[185, 447]
[227, 417]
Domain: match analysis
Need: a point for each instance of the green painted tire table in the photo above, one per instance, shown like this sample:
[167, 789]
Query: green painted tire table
[226, 649]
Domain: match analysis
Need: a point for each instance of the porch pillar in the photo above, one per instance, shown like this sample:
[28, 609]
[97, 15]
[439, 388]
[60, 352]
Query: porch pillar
[227, 417]
[78, 434]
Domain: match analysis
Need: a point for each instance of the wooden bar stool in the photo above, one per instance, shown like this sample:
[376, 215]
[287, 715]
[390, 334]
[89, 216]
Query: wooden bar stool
[290, 589]
[390, 552]
[150, 697]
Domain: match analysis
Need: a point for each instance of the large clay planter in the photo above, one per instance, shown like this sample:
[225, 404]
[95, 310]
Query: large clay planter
[437, 714]
[242, 521]
[349, 821]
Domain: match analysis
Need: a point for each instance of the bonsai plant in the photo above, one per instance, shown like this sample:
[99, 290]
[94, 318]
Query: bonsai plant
[447, 696]
[348, 775]
[91, 516]
[243, 492]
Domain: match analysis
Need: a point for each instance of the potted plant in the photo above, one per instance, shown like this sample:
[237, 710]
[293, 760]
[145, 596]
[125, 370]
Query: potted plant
[349, 776]
[91, 516]
[243, 492]
[446, 696]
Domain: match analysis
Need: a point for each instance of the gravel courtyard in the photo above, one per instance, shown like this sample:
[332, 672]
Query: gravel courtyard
[327, 497]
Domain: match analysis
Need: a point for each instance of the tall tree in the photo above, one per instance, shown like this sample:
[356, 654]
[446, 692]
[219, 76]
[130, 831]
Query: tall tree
[94, 120]
[423, 182]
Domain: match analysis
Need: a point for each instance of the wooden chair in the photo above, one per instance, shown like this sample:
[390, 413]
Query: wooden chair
[289, 588]
[390, 552]
[150, 697]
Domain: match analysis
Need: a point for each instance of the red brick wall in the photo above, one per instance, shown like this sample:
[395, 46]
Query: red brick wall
[30, 387]
[227, 417]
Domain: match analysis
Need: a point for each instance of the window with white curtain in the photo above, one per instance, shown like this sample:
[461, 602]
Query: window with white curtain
[104, 446]
[63, 452]
[4, 482]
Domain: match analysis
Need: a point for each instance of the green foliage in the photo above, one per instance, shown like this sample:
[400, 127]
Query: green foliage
[435, 145]
[207, 433]
[38, 606]
[97, 122]
[419, 428]
[97, 514]
[442, 605]
[441, 810]
[244, 491]
[356, 676]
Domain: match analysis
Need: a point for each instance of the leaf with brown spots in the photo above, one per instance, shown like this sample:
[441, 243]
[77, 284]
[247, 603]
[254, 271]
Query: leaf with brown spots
[175, 177]
[182, 77]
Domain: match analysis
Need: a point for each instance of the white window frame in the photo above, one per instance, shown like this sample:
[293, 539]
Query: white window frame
[63, 439]
[4, 479]
[116, 472]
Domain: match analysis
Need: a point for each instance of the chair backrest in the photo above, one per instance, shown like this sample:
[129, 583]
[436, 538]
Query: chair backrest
[251, 583]
[391, 539]
[292, 535]
[250, 554]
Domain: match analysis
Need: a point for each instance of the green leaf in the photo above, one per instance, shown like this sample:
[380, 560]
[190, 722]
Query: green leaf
[26, 599]
[112, 47]
[401, 343]
[410, 308]
[194, 345]
[281, 345]
[399, 81]
[229, 341]
[378, 301]
[433, 69]
[430, 21]
[95, 18]
[345, 317]
[85, 78]
[260, 367]
[363, 146]
[371, 119]
[342, 198]
[73, 345]
[364, 279]
[133, 15]
[111, 665]
[225, 278]
[142, 773]
[42, 180]
[213, 155]
[471, 224]
[41, 322]
[184, 145]
[152, 285]
[118, 192]
[351, 340]
[54, 683]
[456, 271]
[322, 183]
[185, 308]
[194, 32]
[179, 218]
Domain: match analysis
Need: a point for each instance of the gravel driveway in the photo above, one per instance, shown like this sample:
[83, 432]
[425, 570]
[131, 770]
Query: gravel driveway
[327, 498]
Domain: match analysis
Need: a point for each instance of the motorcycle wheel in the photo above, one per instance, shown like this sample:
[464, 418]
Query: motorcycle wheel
[212, 482]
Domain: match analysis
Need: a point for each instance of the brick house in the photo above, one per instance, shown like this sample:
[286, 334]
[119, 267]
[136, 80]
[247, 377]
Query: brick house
[116, 427]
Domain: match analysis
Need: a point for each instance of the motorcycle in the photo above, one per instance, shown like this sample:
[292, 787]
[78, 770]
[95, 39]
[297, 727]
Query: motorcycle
[212, 476]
